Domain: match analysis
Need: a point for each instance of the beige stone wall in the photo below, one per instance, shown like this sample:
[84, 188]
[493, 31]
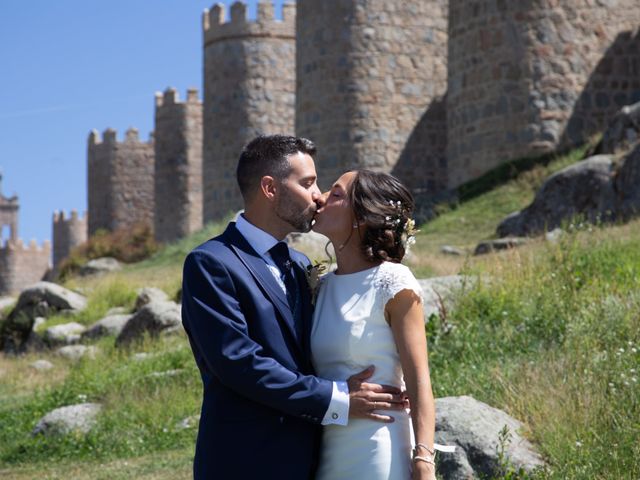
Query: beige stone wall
[516, 72]
[249, 89]
[120, 181]
[9, 208]
[367, 73]
[22, 265]
[178, 165]
[68, 232]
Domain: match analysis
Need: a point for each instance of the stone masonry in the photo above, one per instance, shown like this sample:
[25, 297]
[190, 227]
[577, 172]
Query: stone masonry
[20, 264]
[178, 165]
[436, 92]
[68, 232]
[249, 89]
[121, 181]
[367, 73]
[517, 71]
[8, 214]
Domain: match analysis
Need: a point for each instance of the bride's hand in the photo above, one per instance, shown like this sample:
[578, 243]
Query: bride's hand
[366, 398]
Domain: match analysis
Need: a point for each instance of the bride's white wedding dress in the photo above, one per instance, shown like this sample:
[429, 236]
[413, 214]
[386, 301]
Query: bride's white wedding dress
[350, 333]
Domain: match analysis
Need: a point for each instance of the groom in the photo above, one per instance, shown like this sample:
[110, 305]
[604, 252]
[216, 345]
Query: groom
[247, 311]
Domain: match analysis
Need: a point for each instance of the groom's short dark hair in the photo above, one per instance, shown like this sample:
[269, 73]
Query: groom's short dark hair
[267, 155]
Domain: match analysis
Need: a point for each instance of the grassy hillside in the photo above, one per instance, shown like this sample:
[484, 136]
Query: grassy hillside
[552, 337]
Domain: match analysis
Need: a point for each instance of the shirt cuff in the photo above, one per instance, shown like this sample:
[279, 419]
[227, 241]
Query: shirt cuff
[338, 411]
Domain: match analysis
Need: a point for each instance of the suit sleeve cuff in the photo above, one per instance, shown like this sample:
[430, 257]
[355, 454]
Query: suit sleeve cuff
[338, 411]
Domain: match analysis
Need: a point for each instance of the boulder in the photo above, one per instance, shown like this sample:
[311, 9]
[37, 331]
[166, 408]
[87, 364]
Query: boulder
[117, 311]
[475, 429]
[100, 265]
[148, 295]
[584, 189]
[55, 296]
[312, 244]
[64, 334]
[490, 246]
[39, 300]
[151, 319]
[450, 250]
[64, 420]
[76, 352]
[109, 325]
[623, 132]
[627, 186]
[41, 365]
[439, 292]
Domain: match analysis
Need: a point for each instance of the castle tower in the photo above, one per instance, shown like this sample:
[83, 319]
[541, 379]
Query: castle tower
[22, 265]
[368, 74]
[517, 71]
[68, 232]
[9, 208]
[120, 181]
[249, 89]
[178, 165]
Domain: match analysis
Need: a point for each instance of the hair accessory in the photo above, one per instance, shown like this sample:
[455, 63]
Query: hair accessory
[406, 230]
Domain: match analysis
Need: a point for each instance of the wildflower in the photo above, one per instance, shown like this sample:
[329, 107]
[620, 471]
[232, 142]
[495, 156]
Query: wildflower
[578, 443]
[82, 397]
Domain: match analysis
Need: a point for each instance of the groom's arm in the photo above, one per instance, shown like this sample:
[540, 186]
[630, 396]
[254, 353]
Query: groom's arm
[215, 322]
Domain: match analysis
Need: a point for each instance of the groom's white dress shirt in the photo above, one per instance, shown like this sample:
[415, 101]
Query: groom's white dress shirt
[262, 242]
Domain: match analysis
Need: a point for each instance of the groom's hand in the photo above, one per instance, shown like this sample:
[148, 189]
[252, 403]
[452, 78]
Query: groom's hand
[366, 398]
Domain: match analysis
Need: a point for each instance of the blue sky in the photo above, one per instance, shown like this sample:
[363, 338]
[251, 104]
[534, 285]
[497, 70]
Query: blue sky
[68, 66]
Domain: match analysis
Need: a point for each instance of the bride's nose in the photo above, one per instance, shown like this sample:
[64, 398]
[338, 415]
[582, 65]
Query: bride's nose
[322, 199]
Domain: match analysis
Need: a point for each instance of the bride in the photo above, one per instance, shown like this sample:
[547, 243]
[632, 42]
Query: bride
[369, 312]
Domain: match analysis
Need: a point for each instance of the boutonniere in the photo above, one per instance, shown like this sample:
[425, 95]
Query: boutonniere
[314, 273]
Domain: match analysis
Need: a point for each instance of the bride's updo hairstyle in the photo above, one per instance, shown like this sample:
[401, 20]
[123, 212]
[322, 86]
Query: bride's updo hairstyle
[384, 205]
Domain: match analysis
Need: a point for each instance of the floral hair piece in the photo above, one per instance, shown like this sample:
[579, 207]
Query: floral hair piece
[408, 231]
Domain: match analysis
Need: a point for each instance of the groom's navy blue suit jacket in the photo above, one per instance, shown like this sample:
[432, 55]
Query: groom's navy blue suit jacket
[262, 406]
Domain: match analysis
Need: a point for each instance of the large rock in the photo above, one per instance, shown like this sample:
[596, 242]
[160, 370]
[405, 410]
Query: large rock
[475, 429]
[584, 189]
[6, 302]
[627, 186]
[64, 420]
[490, 246]
[76, 352]
[312, 244]
[623, 133]
[54, 295]
[440, 292]
[109, 325]
[151, 319]
[64, 334]
[149, 295]
[100, 265]
[39, 300]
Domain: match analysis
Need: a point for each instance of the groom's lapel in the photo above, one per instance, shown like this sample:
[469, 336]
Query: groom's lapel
[263, 277]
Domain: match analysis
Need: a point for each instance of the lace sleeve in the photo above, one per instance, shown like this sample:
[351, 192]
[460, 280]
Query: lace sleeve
[394, 279]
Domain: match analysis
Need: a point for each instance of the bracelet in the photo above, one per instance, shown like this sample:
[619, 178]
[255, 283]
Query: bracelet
[422, 445]
[429, 460]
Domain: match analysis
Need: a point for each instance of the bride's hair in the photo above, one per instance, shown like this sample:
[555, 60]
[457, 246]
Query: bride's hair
[384, 205]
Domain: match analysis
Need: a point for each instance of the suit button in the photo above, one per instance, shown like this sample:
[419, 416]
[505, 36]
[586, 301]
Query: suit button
[334, 415]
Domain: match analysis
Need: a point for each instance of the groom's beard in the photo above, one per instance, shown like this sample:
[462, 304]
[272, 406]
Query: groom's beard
[288, 211]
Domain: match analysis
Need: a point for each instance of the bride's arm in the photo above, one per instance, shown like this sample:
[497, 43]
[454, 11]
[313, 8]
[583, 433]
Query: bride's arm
[406, 317]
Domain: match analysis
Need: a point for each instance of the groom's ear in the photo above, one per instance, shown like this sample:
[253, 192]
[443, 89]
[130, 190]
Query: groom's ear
[268, 187]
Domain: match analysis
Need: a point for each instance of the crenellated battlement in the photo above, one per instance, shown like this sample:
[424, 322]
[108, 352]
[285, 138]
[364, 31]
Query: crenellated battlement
[19, 245]
[171, 97]
[110, 137]
[60, 217]
[216, 28]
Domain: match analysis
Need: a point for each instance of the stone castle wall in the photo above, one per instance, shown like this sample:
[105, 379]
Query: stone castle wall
[178, 165]
[367, 73]
[9, 208]
[22, 265]
[249, 89]
[120, 181]
[517, 71]
[68, 232]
